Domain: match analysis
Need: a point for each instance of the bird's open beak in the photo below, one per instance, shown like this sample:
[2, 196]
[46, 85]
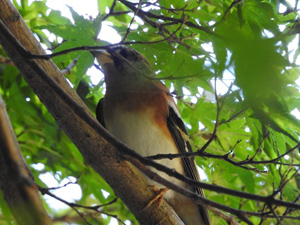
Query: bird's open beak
[102, 56]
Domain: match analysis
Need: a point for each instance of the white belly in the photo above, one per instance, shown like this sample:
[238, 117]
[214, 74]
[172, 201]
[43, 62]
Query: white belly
[147, 139]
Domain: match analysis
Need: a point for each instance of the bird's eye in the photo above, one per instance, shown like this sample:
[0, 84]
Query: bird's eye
[129, 54]
[126, 54]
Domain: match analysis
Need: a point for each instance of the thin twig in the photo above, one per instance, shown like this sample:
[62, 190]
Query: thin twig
[144, 14]
[111, 10]
[47, 192]
[225, 157]
[90, 48]
[131, 22]
[74, 206]
[234, 116]
[235, 2]
[69, 68]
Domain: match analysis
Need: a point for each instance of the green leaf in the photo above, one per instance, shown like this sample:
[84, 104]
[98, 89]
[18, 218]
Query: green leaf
[85, 61]
[56, 18]
[71, 32]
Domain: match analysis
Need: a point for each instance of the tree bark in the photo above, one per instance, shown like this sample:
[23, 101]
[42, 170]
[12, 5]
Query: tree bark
[16, 182]
[127, 182]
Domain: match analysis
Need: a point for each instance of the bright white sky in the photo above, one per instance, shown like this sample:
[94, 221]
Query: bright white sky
[90, 8]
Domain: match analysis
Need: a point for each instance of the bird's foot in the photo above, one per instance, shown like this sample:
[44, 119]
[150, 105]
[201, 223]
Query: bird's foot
[159, 195]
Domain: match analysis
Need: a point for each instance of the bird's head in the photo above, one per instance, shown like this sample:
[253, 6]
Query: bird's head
[123, 65]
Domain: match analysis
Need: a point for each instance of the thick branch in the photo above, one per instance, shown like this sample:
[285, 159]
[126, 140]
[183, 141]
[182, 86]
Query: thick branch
[16, 182]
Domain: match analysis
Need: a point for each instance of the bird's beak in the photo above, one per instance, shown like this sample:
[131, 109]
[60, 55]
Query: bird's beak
[102, 56]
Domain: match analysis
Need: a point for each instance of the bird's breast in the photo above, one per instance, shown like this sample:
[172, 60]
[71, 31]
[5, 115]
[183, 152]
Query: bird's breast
[141, 130]
[145, 131]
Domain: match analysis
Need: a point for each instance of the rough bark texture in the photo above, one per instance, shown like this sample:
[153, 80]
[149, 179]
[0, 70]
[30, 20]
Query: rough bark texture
[16, 182]
[126, 180]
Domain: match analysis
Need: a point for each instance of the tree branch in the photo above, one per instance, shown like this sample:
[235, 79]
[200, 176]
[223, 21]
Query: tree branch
[16, 180]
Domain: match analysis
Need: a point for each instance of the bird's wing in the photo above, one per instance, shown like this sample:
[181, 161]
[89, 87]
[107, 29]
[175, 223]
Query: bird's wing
[99, 112]
[180, 136]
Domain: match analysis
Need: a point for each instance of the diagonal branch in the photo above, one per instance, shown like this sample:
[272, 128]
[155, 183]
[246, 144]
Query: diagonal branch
[16, 180]
[146, 15]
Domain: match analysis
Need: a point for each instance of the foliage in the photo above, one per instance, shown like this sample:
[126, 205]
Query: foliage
[232, 68]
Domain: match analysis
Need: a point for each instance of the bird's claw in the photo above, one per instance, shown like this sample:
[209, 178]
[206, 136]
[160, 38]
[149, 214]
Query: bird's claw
[159, 195]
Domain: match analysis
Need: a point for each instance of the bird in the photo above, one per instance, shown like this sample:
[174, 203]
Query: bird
[139, 110]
